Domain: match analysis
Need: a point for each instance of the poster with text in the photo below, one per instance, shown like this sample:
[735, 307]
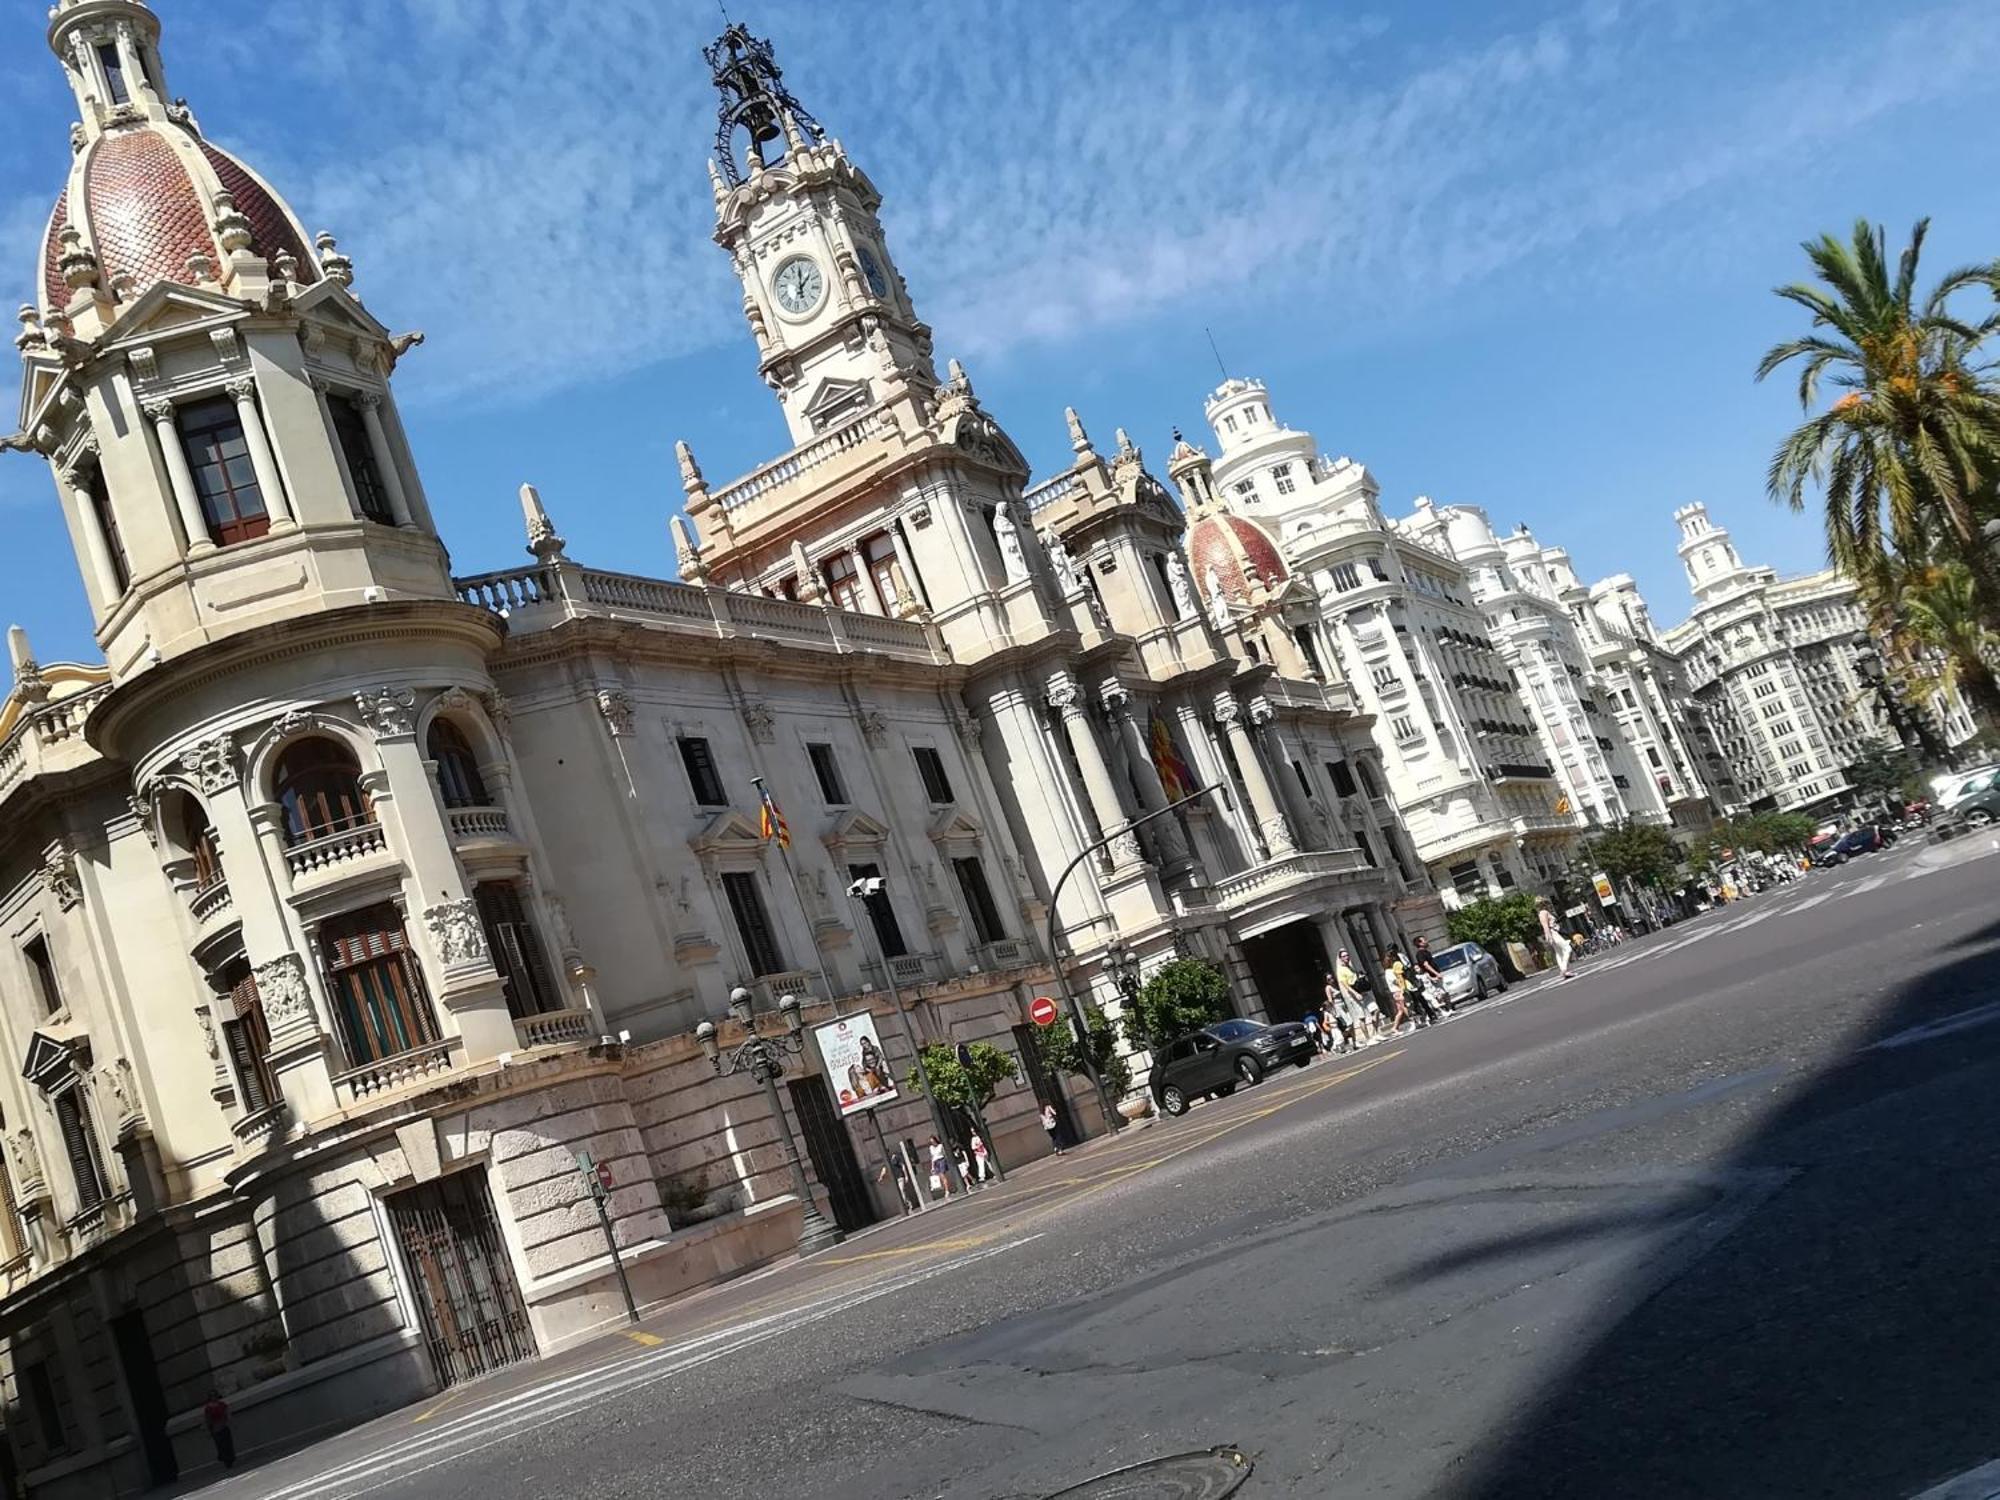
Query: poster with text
[854, 1062]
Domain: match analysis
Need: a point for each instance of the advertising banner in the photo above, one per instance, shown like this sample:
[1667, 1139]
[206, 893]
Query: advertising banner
[855, 1066]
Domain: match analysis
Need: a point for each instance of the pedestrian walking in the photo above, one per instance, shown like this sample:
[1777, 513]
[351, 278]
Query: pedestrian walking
[964, 1166]
[1552, 936]
[1431, 977]
[982, 1165]
[1052, 1123]
[899, 1170]
[1332, 1024]
[1395, 989]
[215, 1414]
[1354, 1009]
[940, 1169]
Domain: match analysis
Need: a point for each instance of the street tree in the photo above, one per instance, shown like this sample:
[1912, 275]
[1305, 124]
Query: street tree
[1643, 853]
[1495, 922]
[1182, 996]
[1907, 455]
[1062, 1052]
[967, 1077]
[1938, 610]
[1879, 772]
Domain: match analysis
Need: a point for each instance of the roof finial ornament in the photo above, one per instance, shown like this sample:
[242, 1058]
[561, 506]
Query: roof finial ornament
[29, 684]
[232, 229]
[78, 264]
[543, 542]
[687, 553]
[754, 102]
[335, 266]
[1079, 440]
[31, 335]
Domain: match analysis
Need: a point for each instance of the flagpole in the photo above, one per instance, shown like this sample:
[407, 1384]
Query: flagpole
[792, 875]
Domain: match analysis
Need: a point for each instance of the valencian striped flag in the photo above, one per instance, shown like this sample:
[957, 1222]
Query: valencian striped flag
[771, 822]
[1176, 780]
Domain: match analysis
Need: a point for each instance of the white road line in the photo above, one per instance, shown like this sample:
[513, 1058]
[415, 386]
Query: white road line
[1965, 1020]
[593, 1385]
[1982, 1483]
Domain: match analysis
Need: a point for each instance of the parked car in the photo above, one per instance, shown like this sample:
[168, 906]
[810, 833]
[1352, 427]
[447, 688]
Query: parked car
[1980, 809]
[1825, 854]
[1962, 786]
[1859, 841]
[1470, 972]
[1217, 1058]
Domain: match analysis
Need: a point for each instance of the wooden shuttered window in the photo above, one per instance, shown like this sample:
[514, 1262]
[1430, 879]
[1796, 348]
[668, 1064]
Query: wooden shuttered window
[378, 992]
[86, 1164]
[248, 1036]
[517, 950]
[753, 923]
[978, 899]
[219, 459]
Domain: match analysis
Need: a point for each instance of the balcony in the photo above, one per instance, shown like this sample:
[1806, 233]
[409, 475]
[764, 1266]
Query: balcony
[417, 1065]
[330, 852]
[555, 1028]
[1003, 953]
[470, 824]
[1275, 875]
[259, 1128]
[210, 903]
[771, 988]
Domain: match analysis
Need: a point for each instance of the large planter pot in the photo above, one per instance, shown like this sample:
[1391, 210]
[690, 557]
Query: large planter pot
[1135, 1108]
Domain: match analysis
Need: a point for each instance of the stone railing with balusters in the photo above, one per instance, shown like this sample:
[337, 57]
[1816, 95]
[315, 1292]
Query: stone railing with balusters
[802, 460]
[48, 737]
[553, 1028]
[1049, 491]
[210, 901]
[1004, 953]
[573, 591]
[1260, 880]
[771, 988]
[334, 849]
[478, 822]
[413, 1066]
[257, 1129]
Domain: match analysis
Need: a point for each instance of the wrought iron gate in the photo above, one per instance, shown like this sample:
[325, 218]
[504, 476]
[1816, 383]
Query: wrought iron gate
[461, 1277]
[832, 1153]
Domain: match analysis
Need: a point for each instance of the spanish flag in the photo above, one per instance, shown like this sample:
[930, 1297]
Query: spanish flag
[771, 822]
[1176, 780]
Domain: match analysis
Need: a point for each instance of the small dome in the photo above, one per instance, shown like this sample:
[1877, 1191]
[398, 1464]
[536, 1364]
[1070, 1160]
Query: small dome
[142, 213]
[1231, 547]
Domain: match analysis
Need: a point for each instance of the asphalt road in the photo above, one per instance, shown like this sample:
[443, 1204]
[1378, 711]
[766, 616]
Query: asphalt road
[1715, 1218]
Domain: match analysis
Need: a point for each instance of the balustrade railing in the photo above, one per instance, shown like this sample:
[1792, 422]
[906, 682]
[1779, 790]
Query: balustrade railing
[255, 1129]
[783, 471]
[1050, 491]
[1004, 953]
[334, 849]
[478, 822]
[210, 901]
[505, 592]
[911, 968]
[387, 1073]
[1287, 870]
[771, 988]
[553, 1028]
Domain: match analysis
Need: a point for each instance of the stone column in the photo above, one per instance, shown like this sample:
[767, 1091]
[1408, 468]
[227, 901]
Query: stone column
[244, 393]
[128, 61]
[385, 459]
[95, 543]
[1175, 864]
[1066, 697]
[1297, 806]
[463, 979]
[1271, 825]
[179, 477]
[908, 565]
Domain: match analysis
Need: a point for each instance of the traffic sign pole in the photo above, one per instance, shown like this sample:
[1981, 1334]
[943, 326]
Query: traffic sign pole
[597, 1175]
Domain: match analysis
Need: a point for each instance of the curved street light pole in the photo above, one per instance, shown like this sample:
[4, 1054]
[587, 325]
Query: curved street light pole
[1105, 1104]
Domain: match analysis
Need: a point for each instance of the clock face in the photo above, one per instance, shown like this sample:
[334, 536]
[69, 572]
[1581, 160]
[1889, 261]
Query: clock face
[871, 272]
[799, 285]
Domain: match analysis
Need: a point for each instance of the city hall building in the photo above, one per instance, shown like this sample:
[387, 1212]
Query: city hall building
[344, 901]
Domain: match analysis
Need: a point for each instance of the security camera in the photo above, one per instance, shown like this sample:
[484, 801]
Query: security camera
[867, 885]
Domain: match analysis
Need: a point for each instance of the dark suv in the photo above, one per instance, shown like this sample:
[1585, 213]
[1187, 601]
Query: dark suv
[1217, 1058]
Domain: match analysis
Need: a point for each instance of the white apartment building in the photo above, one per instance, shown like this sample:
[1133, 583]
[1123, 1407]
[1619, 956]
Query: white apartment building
[1464, 761]
[1781, 669]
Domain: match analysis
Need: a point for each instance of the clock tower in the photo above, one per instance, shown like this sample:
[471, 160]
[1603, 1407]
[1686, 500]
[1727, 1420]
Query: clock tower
[836, 332]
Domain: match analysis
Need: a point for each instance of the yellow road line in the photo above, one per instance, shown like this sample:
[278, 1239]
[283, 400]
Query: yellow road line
[648, 1339]
[966, 1242]
[427, 1415]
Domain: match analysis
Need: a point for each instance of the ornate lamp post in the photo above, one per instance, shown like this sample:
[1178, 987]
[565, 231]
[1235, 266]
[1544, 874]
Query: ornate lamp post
[763, 1058]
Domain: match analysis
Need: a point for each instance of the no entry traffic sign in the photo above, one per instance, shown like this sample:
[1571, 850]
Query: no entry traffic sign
[1042, 1011]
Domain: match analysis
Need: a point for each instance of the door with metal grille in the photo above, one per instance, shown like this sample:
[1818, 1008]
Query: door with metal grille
[461, 1278]
[832, 1153]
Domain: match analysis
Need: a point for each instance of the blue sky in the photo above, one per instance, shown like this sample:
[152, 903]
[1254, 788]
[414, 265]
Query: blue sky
[1515, 255]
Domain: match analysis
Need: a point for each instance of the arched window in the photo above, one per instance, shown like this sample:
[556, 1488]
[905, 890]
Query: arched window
[319, 785]
[198, 838]
[457, 768]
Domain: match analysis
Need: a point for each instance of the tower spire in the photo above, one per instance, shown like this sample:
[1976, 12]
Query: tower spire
[754, 102]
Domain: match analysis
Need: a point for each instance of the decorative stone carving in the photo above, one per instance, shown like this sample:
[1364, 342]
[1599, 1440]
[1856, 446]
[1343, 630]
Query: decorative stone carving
[1012, 558]
[1181, 586]
[1063, 692]
[1261, 712]
[387, 711]
[121, 1089]
[456, 700]
[241, 389]
[874, 728]
[1115, 696]
[566, 941]
[25, 1163]
[1065, 567]
[497, 711]
[456, 932]
[158, 410]
[208, 1037]
[968, 729]
[757, 718]
[295, 722]
[1227, 710]
[142, 811]
[59, 874]
[616, 706]
[281, 985]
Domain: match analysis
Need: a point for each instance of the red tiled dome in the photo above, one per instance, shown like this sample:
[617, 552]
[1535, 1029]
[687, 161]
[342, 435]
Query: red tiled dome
[145, 216]
[1228, 545]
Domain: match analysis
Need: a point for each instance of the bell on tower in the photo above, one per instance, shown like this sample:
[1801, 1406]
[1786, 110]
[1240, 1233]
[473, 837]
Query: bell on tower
[756, 102]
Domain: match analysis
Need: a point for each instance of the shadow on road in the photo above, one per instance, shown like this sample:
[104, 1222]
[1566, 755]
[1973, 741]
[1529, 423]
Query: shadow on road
[1842, 1339]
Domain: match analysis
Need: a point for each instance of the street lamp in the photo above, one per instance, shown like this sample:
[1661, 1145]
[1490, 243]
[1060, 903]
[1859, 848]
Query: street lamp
[860, 892]
[763, 1058]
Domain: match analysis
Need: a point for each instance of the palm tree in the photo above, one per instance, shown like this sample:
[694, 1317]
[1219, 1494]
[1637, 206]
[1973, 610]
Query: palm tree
[1936, 609]
[1908, 455]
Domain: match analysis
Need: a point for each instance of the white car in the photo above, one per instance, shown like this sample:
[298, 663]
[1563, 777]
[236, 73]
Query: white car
[1953, 790]
[1470, 972]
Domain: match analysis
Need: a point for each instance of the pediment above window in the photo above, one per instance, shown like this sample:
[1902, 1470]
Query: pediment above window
[854, 832]
[835, 401]
[57, 1056]
[728, 832]
[955, 827]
